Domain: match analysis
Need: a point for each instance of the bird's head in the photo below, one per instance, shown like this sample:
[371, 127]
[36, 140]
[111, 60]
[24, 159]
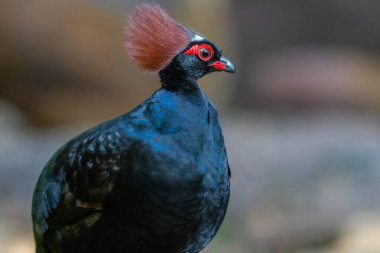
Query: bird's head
[159, 44]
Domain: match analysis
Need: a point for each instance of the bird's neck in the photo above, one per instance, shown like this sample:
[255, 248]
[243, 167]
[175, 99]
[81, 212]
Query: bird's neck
[184, 98]
[175, 78]
[179, 106]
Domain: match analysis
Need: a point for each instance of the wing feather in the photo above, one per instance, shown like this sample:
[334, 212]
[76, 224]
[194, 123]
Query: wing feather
[72, 189]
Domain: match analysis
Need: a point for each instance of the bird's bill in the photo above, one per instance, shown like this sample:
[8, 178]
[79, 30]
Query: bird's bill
[223, 65]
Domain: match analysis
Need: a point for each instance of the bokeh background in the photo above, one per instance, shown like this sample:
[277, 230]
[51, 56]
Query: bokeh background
[300, 116]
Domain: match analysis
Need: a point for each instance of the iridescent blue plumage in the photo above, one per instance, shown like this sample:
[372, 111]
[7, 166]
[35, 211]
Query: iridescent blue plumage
[153, 180]
[161, 169]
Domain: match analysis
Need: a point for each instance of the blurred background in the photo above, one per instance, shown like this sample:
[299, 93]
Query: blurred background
[300, 116]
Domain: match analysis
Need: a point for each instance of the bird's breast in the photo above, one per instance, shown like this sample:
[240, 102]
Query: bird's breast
[177, 175]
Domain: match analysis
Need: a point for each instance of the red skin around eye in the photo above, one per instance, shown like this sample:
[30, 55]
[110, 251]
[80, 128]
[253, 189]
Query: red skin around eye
[196, 50]
[193, 50]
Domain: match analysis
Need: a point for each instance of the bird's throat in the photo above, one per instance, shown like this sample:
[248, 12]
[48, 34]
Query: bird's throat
[175, 78]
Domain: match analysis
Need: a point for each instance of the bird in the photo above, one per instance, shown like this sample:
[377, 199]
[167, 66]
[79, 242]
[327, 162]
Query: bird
[155, 179]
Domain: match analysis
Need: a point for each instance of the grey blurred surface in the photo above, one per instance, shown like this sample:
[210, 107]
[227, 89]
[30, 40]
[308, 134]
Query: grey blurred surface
[297, 180]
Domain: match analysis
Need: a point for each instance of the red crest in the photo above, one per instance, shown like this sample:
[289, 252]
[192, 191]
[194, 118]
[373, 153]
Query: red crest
[153, 38]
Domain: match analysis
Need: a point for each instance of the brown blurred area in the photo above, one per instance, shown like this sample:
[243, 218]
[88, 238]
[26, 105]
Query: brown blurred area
[300, 116]
[64, 61]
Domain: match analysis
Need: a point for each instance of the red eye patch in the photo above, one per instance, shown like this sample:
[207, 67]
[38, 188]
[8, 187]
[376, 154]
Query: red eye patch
[203, 51]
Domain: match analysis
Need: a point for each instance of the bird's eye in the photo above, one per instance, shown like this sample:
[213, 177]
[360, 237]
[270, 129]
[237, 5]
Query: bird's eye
[205, 53]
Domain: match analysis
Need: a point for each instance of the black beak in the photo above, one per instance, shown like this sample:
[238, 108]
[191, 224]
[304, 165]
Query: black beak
[223, 65]
[229, 66]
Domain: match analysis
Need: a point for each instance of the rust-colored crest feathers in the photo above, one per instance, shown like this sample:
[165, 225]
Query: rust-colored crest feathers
[153, 38]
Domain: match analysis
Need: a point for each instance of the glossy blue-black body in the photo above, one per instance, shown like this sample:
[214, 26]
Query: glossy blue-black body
[153, 180]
